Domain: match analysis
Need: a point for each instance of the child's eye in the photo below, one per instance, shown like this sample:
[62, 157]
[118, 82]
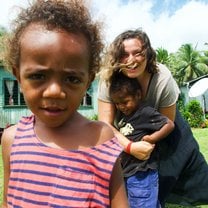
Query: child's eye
[73, 80]
[36, 76]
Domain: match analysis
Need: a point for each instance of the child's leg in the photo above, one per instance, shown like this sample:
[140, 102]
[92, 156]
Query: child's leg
[142, 189]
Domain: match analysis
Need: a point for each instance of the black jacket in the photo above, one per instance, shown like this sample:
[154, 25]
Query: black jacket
[183, 171]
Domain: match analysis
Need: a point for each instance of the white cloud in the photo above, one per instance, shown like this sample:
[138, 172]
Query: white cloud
[185, 25]
[119, 17]
[8, 10]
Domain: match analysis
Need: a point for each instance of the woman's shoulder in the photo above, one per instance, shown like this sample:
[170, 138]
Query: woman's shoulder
[163, 71]
[163, 90]
[163, 77]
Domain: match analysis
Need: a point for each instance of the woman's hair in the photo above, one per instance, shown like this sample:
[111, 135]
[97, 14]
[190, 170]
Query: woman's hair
[116, 50]
[69, 15]
[119, 83]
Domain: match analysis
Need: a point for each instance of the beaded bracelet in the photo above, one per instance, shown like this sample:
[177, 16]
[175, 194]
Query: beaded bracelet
[128, 148]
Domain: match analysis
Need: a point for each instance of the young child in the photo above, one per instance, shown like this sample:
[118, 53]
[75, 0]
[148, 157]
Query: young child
[138, 122]
[56, 157]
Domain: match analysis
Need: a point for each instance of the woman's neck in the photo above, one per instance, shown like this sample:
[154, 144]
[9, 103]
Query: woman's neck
[144, 81]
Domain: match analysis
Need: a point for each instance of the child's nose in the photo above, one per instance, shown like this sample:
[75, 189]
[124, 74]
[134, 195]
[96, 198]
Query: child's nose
[54, 90]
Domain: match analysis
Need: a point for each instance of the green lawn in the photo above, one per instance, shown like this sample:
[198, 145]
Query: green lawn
[200, 134]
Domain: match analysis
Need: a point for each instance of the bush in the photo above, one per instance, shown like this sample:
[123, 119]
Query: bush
[181, 103]
[93, 117]
[205, 123]
[193, 113]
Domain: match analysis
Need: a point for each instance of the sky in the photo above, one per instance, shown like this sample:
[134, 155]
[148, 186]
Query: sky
[168, 23]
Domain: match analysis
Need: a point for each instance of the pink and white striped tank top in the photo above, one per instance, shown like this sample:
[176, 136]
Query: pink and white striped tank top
[42, 176]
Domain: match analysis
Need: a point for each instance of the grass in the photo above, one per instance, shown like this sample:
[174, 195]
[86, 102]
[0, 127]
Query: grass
[200, 135]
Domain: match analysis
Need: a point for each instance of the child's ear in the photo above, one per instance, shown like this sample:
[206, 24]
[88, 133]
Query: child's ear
[16, 73]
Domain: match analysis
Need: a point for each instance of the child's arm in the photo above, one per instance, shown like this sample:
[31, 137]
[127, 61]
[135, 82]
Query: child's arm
[118, 197]
[7, 139]
[117, 188]
[160, 134]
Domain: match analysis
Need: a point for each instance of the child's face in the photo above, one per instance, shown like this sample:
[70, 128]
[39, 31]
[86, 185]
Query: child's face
[53, 73]
[127, 104]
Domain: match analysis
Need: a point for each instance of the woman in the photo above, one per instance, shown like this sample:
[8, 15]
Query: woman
[183, 169]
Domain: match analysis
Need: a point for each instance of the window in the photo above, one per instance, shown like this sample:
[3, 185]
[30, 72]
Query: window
[12, 94]
[87, 99]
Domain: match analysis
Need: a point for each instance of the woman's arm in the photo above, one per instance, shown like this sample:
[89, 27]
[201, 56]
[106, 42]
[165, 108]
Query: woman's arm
[106, 113]
[7, 139]
[117, 188]
[170, 111]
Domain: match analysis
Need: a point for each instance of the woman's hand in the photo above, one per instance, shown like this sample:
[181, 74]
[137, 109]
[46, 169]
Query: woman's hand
[141, 149]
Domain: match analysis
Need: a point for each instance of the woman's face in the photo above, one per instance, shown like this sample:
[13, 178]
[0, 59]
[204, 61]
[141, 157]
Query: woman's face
[135, 56]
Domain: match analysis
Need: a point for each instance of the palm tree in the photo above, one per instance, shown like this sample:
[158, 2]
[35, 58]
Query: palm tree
[162, 56]
[204, 58]
[188, 64]
[3, 33]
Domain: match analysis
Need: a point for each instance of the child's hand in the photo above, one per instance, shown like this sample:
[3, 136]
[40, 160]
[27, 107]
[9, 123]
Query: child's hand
[148, 138]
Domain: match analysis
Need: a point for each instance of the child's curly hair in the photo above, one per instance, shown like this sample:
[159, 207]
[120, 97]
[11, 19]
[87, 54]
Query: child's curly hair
[70, 15]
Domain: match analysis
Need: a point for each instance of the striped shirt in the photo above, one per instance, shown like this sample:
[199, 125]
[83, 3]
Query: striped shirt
[42, 176]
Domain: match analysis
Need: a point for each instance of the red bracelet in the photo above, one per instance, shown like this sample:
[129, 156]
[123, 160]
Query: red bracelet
[128, 148]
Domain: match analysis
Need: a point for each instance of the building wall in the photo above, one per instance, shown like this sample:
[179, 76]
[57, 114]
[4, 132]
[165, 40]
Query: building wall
[91, 111]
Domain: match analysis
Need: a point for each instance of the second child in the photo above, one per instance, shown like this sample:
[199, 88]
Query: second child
[138, 121]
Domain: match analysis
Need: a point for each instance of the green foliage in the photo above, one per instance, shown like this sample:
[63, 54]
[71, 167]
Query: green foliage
[3, 31]
[3, 34]
[162, 56]
[186, 64]
[181, 103]
[193, 113]
[205, 124]
[94, 117]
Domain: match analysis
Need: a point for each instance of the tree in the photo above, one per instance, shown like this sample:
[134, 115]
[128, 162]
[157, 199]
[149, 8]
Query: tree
[204, 58]
[188, 64]
[162, 56]
[3, 33]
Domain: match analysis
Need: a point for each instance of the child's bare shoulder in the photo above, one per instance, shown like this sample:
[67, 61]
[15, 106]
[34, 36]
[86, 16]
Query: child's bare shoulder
[102, 131]
[8, 136]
